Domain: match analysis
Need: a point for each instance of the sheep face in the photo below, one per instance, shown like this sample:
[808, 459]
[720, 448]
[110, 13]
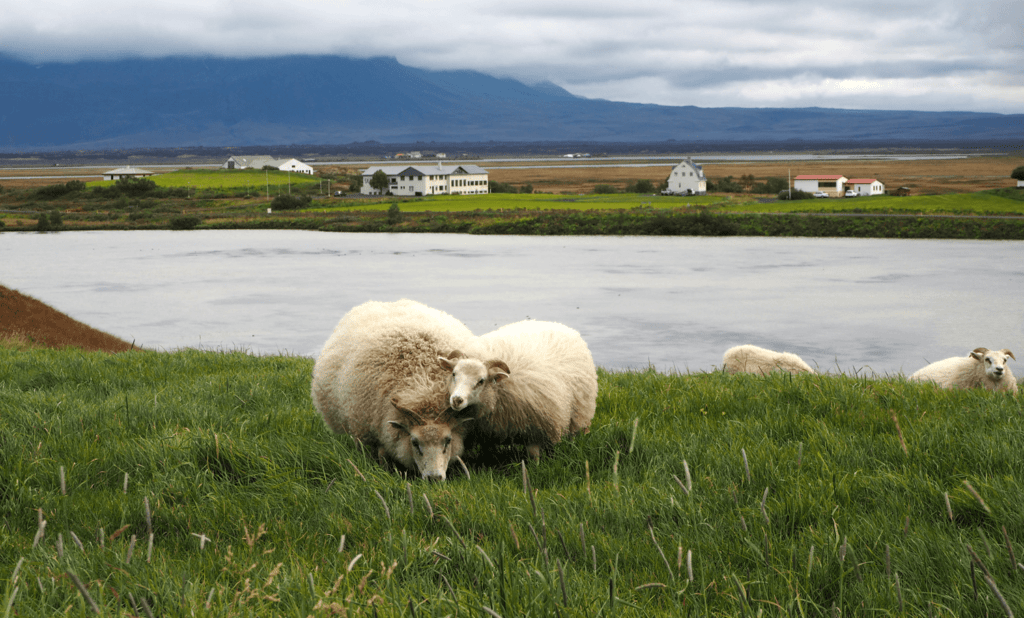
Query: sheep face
[430, 447]
[993, 361]
[469, 378]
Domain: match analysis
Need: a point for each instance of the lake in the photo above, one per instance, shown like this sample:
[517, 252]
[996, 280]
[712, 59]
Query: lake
[675, 303]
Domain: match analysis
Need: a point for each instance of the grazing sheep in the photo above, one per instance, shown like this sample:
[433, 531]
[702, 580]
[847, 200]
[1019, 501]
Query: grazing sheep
[538, 384]
[378, 379]
[752, 359]
[981, 368]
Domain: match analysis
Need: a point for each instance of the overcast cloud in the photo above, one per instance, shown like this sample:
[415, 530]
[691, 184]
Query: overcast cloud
[932, 55]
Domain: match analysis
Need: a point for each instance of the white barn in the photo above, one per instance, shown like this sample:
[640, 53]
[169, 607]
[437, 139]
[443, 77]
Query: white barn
[828, 183]
[418, 180]
[259, 162]
[687, 178]
[866, 186]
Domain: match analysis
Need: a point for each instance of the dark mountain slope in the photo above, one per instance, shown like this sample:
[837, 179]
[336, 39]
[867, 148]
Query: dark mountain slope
[327, 99]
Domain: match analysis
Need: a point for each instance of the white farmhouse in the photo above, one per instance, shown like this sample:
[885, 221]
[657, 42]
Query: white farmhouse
[866, 186]
[418, 180]
[687, 178]
[126, 172]
[827, 183]
[259, 162]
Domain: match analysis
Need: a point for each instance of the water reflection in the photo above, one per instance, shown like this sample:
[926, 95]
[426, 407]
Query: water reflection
[675, 303]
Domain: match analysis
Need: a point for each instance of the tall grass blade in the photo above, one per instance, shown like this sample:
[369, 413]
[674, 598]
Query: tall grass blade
[85, 593]
[764, 498]
[999, 596]
[1009, 549]
[632, 437]
[977, 496]
[10, 602]
[668, 567]
[387, 511]
[899, 432]
[561, 583]
[430, 508]
[40, 532]
[615, 471]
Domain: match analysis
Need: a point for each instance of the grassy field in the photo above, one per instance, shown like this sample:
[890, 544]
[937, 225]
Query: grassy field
[203, 483]
[517, 201]
[953, 203]
[1006, 202]
[218, 179]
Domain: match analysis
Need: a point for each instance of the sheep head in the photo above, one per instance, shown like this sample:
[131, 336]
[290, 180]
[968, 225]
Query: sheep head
[469, 378]
[993, 361]
[429, 444]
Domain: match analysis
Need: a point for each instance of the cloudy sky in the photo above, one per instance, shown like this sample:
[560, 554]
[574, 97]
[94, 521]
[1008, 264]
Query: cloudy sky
[928, 55]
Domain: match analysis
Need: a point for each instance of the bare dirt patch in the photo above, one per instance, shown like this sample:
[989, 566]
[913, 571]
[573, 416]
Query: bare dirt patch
[27, 322]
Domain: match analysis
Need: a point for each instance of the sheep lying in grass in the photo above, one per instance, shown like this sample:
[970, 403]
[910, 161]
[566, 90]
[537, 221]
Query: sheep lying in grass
[982, 368]
[378, 379]
[752, 359]
[537, 384]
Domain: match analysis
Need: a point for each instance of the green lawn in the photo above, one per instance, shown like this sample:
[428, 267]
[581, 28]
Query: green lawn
[226, 179]
[954, 203]
[535, 201]
[950, 203]
[204, 483]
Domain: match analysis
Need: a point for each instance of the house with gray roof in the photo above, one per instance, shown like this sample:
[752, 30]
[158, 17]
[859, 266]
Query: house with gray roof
[687, 178]
[126, 172]
[418, 180]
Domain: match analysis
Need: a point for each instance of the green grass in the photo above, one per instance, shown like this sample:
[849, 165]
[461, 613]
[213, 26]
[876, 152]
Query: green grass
[535, 201]
[953, 203]
[985, 202]
[220, 179]
[228, 446]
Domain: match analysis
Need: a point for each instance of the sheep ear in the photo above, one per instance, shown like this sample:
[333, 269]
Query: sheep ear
[461, 421]
[497, 370]
[979, 353]
[402, 408]
[400, 426]
[456, 355]
[1009, 353]
[447, 363]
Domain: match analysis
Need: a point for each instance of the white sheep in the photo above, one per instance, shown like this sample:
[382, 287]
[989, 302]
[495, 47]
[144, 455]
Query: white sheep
[981, 368]
[378, 379]
[537, 384]
[752, 359]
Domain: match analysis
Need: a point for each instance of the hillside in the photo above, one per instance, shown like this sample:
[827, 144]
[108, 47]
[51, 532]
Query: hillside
[179, 102]
[25, 321]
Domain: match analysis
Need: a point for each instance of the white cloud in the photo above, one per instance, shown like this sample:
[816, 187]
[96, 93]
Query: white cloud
[941, 54]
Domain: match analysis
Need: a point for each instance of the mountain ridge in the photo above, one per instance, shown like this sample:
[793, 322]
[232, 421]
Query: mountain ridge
[206, 101]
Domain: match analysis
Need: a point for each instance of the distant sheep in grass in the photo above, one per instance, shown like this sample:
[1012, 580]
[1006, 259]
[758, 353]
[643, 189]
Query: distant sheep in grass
[982, 368]
[537, 384]
[378, 379]
[752, 359]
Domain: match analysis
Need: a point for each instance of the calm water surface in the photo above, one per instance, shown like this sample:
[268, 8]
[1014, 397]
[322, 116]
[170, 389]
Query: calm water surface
[675, 303]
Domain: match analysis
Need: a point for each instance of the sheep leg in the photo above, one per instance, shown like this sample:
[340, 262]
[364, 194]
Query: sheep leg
[533, 450]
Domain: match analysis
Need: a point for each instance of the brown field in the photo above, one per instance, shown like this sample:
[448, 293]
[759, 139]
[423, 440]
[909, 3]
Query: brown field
[26, 322]
[923, 177]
